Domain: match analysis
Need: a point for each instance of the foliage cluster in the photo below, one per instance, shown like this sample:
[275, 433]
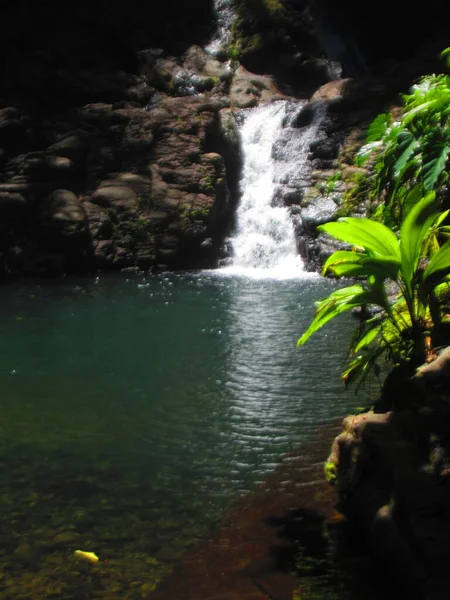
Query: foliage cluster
[401, 266]
[413, 265]
[409, 151]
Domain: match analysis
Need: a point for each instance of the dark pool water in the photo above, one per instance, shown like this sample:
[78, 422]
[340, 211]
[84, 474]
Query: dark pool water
[134, 410]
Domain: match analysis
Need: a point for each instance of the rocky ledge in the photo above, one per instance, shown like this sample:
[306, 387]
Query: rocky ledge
[114, 185]
[392, 472]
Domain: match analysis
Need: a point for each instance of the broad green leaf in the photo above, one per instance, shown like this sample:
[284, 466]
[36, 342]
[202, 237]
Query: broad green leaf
[356, 368]
[413, 233]
[378, 127]
[406, 148]
[362, 364]
[381, 267]
[344, 256]
[440, 218]
[409, 159]
[368, 337]
[433, 168]
[410, 198]
[444, 231]
[374, 237]
[408, 116]
[439, 263]
[392, 133]
[344, 263]
[336, 303]
[365, 151]
[445, 55]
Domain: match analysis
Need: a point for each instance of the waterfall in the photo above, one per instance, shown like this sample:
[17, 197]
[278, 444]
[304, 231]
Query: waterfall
[275, 155]
[225, 14]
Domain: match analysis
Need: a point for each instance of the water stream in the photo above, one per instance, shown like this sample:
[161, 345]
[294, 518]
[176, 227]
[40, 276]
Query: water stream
[264, 241]
[275, 160]
[136, 409]
[225, 14]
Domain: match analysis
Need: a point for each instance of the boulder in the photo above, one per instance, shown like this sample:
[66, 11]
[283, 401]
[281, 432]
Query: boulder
[392, 472]
[63, 212]
[248, 90]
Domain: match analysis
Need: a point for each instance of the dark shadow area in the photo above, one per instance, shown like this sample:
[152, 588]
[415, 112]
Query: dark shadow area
[54, 54]
[329, 559]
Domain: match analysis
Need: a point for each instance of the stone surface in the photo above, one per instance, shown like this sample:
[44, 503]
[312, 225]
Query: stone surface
[248, 90]
[152, 187]
[137, 96]
[393, 481]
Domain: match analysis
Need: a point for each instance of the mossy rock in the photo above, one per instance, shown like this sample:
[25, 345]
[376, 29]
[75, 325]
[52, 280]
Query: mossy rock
[264, 30]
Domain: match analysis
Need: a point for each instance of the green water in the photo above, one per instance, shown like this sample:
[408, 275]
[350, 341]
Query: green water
[134, 409]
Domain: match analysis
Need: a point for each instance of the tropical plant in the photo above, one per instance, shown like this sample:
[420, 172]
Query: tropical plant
[403, 277]
[413, 150]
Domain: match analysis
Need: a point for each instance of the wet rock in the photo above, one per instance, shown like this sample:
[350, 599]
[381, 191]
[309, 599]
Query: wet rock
[104, 253]
[324, 148]
[188, 83]
[199, 61]
[13, 130]
[305, 116]
[248, 90]
[121, 197]
[321, 210]
[64, 211]
[71, 145]
[99, 221]
[392, 478]
[42, 168]
[12, 204]
[314, 71]
[139, 94]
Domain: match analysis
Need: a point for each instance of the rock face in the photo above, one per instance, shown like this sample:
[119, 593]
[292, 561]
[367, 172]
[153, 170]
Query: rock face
[118, 138]
[393, 477]
[376, 38]
[67, 53]
[117, 186]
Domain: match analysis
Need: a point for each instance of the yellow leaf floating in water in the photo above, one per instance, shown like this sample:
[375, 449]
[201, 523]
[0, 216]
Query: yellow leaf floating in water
[90, 556]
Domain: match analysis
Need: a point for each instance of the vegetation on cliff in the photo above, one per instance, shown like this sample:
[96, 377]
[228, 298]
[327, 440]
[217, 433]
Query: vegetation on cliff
[403, 263]
[404, 328]
[409, 151]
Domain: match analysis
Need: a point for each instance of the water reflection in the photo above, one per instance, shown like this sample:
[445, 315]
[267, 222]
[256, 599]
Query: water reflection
[133, 412]
[273, 388]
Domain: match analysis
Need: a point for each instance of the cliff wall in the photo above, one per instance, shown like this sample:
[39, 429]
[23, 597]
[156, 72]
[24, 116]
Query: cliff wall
[118, 139]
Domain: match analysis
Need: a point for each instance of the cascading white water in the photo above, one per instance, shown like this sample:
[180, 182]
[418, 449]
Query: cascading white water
[264, 243]
[225, 15]
[265, 234]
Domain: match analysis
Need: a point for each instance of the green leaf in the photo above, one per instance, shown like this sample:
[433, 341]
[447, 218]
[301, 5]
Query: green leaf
[445, 55]
[362, 364]
[406, 147]
[433, 168]
[374, 237]
[365, 151]
[424, 106]
[378, 127]
[440, 262]
[336, 303]
[381, 267]
[343, 263]
[368, 337]
[413, 233]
